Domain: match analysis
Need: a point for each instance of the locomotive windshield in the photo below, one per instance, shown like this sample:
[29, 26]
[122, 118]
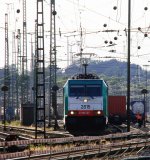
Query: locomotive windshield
[85, 90]
[77, 90]
[93, 90]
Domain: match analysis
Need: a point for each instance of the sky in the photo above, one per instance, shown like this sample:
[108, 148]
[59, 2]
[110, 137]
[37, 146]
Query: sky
[98, 27]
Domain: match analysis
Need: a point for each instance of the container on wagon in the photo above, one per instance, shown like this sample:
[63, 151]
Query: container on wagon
[117, 107]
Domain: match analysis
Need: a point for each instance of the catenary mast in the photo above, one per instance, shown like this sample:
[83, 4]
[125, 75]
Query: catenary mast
[6, 68]
[18, 70]
[53, 66]
[13, 74]
[24, 88]
[40, 72]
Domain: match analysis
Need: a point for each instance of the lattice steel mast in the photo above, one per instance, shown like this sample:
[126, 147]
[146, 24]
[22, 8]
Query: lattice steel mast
[24, 58]
[40, 71]
[32, 71]
[13, 74]
[34, 85]
[6, 69]
[18, 70]
[53, 66]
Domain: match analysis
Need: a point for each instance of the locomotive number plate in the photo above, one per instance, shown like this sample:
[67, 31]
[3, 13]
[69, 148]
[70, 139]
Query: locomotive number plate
[85, 106]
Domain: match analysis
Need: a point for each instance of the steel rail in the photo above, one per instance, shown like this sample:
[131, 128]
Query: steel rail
[99, 149]
[75, 139]
[31, 131]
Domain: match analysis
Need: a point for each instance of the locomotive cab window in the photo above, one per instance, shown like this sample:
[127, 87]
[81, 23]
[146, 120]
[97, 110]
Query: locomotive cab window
[77, 90]
[85, 90]
[93, 90]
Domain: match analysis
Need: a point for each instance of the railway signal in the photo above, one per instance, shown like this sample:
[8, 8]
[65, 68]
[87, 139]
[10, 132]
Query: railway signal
[4, 88]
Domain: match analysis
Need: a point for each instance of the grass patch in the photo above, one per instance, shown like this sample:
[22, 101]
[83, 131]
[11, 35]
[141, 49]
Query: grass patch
[12, 123]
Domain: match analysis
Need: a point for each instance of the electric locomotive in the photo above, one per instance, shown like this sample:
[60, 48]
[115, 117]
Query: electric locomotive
[85, 98]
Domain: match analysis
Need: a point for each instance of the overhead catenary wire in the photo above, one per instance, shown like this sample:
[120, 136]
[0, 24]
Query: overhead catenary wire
[117, 3]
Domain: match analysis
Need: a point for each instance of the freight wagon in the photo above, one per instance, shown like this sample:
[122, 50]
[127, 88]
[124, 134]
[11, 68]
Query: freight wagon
[117, 109]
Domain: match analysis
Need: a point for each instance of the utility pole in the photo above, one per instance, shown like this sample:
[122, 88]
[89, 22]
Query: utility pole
[53, 65]
[40, 72]
[128, 67]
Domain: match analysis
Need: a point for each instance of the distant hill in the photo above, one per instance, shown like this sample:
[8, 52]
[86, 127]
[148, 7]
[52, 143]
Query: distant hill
[108, 68]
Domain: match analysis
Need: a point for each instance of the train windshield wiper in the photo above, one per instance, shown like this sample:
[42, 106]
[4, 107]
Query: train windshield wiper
[92, 97]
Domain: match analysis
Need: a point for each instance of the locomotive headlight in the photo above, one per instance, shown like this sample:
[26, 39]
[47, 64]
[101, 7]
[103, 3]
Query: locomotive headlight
[72, 112]
[85, 100]
[98, 112]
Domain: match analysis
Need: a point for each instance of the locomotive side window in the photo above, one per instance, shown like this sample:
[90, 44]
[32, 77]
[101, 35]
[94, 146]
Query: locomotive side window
[77, 90]
[93, 90]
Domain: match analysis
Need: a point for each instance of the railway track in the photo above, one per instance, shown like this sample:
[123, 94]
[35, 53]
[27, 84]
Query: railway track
[118, 149]
[73, 145]
[30, 132]
[87, 146]
[3, 136]
[12, 137]
[7, 137]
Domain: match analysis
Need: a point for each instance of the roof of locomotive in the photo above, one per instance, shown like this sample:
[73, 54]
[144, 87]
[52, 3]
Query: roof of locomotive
[86, 77]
